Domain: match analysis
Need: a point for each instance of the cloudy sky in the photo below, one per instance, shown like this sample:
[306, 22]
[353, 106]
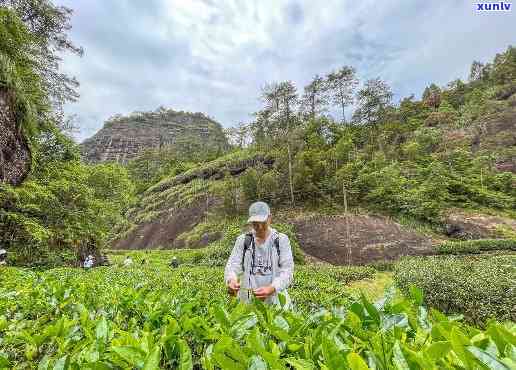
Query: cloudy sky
[213, 56]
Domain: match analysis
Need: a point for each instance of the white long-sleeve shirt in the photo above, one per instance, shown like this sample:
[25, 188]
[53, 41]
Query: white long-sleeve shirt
[268, 269]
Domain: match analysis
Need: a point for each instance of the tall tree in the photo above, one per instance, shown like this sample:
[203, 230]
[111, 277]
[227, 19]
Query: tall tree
[373, 100]
[341, 85]
[432, 96]
[281, 100]
[239, 135]
[476, 71]
[48, 25]
[315, 98]
[260, 129]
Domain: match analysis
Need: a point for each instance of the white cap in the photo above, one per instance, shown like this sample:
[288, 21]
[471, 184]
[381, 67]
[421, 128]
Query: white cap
[3, 251]
[259, 212]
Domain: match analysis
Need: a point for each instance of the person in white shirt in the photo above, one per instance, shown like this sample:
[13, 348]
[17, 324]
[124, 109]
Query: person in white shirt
[3, 257]
[89, 261]
[128, 261]
[261, 262]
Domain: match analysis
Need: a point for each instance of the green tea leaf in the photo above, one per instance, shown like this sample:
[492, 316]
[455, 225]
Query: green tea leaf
[227, 363]
[487, 359]
[153, 359]
[300, 364]
[62, 364]
[282, 299]
[391, 321]
[185, 362]
[416, 294]
[257, 363]
[399, 358]
[355, 362]
[222, 316]
[132, 355]
[101, 330]
[438, 350]
[4, 361]
[371, 310]
[332, 356]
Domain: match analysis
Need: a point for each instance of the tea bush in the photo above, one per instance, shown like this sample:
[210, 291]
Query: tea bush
[479, 287]
[151, 318]
[476, 246]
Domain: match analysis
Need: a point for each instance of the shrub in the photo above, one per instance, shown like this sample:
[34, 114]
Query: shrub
[478, 287]
[476, 246]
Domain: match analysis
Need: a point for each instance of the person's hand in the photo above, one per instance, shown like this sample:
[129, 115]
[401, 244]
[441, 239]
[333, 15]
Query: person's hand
[233, 286]
[264, 292]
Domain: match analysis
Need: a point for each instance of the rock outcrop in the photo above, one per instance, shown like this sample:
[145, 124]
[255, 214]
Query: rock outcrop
[123, 137]
[462, 225]
[15, 155]
[357, 239]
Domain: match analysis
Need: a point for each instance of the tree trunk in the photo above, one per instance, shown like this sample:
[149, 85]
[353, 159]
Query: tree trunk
[15, 153]
[290, 172]
[348, 239]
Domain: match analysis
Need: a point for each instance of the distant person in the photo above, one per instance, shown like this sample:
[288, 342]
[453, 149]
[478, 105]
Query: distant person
[89, 262]
[3, 257]
[263, 259]
[127, 261]
[143, 262]
[174, 262]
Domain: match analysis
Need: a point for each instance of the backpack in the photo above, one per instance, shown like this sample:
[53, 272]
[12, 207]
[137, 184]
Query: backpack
[249, 239]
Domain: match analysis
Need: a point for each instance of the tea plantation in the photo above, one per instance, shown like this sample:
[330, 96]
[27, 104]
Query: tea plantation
[151, 316]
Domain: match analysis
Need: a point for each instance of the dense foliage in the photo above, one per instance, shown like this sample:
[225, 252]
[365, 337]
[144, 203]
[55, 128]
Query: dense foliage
[476, 246]
[478, 287]
[415, 159]
[66, 210]
[64, 206]
[17, 73]
[149, 318]
[40, 29]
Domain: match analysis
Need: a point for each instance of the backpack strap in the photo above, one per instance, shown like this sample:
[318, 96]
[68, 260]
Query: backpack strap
[247, 243]
[249, 240]
[276, 244]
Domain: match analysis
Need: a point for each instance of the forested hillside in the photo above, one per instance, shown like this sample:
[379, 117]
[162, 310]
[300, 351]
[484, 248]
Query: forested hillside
[434, 161]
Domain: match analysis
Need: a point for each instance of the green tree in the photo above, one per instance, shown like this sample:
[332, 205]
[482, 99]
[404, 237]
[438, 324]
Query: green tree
[432, 96]
[67, 205]
[48, 26]
[250, 184]
[476, 71]
[341, 86]
[373, 100]
[315, 98]
[281, 100]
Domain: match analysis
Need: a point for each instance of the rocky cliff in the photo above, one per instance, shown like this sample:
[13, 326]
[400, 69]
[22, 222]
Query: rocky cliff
[15, 156]
[123, 137]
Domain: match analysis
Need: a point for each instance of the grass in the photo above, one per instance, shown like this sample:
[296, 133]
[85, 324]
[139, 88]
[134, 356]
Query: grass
[373, 288]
